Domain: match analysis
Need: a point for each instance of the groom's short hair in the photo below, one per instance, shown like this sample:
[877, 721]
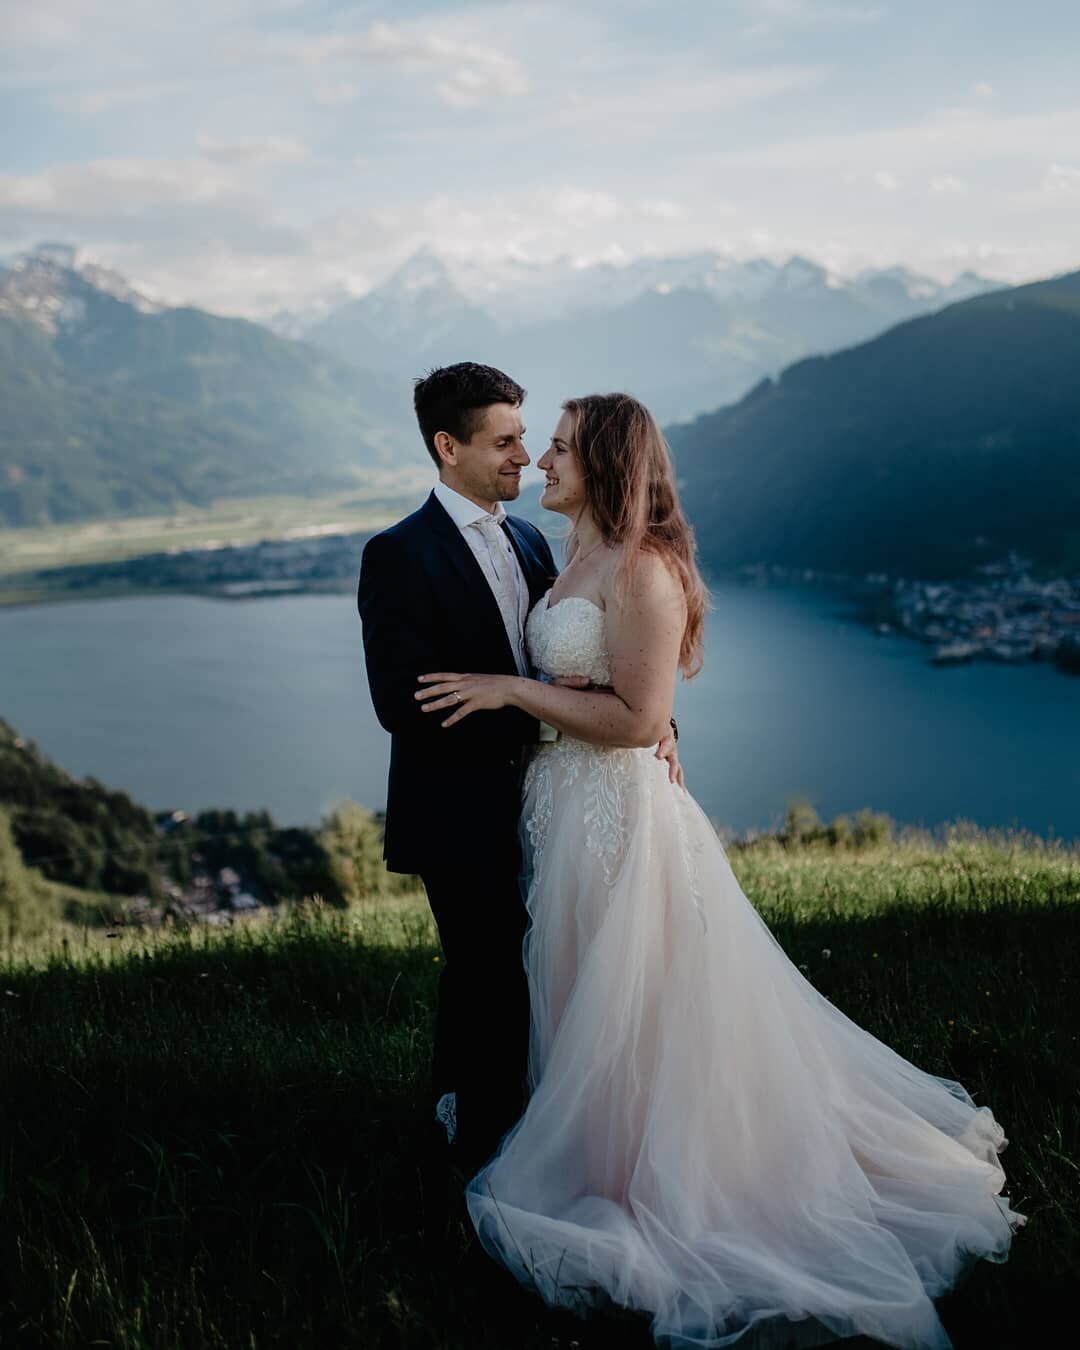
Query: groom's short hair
[453, 399]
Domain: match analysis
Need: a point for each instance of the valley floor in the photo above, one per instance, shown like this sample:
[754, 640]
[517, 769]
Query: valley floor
[103, 557]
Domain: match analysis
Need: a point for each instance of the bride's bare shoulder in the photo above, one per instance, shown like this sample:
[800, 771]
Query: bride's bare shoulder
[653, 580]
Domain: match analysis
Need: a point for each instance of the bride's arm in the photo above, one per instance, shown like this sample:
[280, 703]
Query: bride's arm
[644, 634]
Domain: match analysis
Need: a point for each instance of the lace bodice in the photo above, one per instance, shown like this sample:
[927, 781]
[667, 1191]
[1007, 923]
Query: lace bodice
[568, 638]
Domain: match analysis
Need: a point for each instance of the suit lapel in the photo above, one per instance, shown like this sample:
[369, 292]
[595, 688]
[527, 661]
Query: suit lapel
[536, 574]
[456, 556]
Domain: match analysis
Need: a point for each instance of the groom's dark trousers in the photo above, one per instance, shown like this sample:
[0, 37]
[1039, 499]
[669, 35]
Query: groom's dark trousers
[454, 797]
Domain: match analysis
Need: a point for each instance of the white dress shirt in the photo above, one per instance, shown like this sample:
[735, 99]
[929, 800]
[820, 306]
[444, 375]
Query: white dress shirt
[499, 563]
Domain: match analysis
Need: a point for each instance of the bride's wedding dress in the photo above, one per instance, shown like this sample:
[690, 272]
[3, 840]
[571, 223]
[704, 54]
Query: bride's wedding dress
[709, 1140]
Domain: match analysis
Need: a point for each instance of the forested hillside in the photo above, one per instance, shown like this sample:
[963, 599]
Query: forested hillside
[945, 442]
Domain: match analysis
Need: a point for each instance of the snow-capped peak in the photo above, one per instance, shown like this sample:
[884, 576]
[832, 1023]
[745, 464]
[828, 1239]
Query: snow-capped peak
[422, 271]
[53, 287]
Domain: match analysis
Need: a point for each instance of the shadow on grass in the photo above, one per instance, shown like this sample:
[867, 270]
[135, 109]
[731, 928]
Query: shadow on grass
[228, 1146]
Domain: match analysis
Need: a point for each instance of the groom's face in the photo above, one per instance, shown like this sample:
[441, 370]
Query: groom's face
[487, 468]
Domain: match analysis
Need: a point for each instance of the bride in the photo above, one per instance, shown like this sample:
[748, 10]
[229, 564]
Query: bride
[708, 1141]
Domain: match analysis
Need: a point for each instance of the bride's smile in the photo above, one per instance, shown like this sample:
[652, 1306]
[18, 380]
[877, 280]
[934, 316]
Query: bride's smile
[564, 490]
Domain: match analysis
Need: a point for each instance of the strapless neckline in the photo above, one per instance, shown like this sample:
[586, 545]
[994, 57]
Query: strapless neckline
[548, 606]
[567, 638]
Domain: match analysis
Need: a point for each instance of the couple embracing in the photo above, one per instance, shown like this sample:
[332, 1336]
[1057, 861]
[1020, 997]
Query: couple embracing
[656, 1109]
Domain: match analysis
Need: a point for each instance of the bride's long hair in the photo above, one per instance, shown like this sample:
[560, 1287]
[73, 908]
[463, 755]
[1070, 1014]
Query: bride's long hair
[630, 490]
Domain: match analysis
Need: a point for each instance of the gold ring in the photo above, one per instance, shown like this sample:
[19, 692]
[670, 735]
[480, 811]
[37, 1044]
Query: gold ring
[457, 695]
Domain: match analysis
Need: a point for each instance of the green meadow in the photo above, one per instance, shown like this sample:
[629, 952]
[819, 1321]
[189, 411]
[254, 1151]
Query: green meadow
[378, 498]
[216, 1137]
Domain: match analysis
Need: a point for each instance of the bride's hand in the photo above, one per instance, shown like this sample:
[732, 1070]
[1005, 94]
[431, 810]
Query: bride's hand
[465, 693]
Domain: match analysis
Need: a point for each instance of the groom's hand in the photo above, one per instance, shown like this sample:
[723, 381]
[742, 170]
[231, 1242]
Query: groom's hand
[667, 750]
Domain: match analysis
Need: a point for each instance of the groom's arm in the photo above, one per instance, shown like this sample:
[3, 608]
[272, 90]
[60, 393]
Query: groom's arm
[396, 611]
[644, 637]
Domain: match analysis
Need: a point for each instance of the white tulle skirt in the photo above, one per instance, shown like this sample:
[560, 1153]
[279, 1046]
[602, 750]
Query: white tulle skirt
[709, 1140]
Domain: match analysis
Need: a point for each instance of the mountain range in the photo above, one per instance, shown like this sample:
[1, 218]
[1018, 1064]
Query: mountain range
[944, 443]
[114, 404]
[684, 334]
[945, 440]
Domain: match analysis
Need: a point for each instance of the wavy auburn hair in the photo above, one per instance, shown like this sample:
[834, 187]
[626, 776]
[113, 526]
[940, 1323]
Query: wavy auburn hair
[630, 490]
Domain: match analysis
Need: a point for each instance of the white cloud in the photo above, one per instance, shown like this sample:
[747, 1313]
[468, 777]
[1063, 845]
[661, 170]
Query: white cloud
[1061, 182]
[92, 102]
[107, 187]
[576, 204]
[661, 210]
[336, 95]
[564, 220]
[465, 72]
[944, 137]
[38, 23]
[620, 115]
[253, 149]
[97, 190]
[773, 14]
[56, 24]
[607, 129]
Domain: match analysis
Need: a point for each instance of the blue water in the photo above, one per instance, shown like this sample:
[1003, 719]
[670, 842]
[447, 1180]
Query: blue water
[190, 702]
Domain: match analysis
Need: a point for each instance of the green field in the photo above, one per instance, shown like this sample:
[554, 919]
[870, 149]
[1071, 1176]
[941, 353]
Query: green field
[379, 498]
[216, 1137]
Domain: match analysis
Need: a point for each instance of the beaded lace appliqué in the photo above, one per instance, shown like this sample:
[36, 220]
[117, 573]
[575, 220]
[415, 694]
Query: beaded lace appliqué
[568, 639]
[691, 851]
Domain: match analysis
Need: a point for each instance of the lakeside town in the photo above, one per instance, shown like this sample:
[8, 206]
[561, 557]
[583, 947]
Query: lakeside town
[243, 866]
[212, 897]
[1003, 611]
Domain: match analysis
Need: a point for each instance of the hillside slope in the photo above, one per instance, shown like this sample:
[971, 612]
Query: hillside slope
[116, 405]
[944, 442]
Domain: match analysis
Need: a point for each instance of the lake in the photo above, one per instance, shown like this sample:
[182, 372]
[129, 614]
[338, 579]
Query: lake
[190, 702]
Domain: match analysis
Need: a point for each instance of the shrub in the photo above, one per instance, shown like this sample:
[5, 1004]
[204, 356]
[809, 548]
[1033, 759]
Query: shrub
[26, 904]
[353, 840]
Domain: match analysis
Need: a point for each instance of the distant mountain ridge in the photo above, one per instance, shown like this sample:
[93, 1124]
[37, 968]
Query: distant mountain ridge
[514, 293]
[115, 404]
[944, 443]
[685, 334]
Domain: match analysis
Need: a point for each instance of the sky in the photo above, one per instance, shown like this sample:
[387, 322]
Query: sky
[253, 155]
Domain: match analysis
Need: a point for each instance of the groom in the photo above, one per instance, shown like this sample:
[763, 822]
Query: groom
[449, 588]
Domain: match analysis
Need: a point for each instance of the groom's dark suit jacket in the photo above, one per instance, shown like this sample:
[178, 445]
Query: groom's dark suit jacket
[454, 793]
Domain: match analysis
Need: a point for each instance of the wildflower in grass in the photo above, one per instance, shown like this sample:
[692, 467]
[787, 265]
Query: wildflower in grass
[875, 956]
[826, 952]
[435, 960]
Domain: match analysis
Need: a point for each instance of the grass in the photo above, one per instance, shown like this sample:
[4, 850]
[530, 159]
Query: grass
[217, 1139]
